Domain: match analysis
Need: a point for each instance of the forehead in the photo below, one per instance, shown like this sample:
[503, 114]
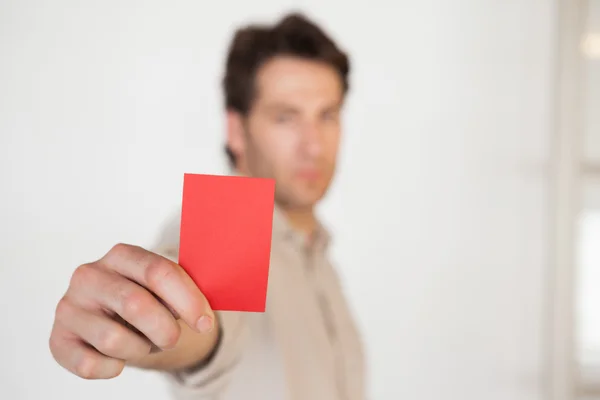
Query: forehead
[297, 81]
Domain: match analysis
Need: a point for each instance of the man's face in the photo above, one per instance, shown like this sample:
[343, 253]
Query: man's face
[292, 131]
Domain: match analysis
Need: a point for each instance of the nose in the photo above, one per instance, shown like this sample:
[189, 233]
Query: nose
[312, 140]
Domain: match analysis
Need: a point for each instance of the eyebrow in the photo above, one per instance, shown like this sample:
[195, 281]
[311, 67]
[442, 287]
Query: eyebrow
[280, 107]
[277, 107]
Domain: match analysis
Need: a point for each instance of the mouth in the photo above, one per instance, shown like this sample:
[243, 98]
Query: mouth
[309, 174]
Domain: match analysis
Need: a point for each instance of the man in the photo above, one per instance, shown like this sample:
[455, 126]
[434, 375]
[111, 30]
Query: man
[284, 89]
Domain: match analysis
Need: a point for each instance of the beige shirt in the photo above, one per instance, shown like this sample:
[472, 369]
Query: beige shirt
[304, 347]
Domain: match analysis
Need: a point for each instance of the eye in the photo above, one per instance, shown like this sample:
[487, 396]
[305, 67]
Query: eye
[330, 116]
[283, 118]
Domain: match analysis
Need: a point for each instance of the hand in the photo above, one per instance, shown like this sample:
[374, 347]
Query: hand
[121, 309]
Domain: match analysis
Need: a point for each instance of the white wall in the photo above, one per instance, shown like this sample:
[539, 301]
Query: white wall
[588, 273]
[591, 79]
[440, 218]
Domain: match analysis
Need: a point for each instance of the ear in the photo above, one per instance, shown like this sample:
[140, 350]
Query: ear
[235, 133]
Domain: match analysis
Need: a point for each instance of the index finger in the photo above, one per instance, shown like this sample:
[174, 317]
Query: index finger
[165, 279]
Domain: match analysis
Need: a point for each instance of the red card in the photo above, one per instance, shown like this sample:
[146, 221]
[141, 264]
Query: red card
[225, 238]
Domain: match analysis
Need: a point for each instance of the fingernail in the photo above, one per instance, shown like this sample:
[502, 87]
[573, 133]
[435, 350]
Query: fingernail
[205, 324]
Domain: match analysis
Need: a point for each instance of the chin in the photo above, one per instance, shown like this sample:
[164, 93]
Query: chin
[302, 193]
[311, 197]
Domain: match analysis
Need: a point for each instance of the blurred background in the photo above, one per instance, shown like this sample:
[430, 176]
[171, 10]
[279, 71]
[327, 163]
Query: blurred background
[466, 210]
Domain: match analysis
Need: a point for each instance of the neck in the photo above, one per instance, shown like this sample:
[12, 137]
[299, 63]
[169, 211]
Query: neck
[302, 220]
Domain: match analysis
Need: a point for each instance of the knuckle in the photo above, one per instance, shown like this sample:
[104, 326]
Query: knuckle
[54, 344]
[83, 275]
[120, 249]
[111, 341]
[124, 250]
[159, 270]
[134, 303]
[116, 369]
[117, 253]
[86, 367]
[64, 309]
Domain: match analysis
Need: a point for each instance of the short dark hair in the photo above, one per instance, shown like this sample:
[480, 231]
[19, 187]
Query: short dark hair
[253, 45]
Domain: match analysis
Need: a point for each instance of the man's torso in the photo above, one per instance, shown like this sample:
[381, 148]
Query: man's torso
[305, 345]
